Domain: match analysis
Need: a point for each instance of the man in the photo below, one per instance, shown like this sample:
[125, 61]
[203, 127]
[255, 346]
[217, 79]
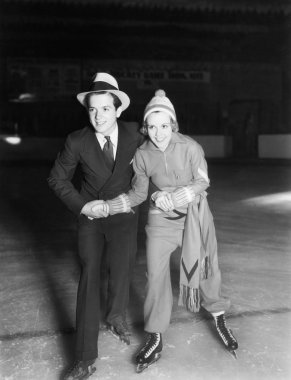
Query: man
[104, 152]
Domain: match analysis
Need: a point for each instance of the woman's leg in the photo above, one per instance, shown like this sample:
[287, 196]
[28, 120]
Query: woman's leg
[163, 237]
[210, 287]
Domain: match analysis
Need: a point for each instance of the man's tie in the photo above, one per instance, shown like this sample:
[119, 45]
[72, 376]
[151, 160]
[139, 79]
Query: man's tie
[108, 153]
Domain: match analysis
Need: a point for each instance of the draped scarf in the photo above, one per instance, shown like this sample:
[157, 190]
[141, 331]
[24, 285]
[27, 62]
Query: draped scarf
[199, 251]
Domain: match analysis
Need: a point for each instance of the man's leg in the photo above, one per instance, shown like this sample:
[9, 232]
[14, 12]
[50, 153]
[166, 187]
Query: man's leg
[91, 243]
[121, 247]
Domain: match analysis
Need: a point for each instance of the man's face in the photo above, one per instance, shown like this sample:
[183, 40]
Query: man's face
[159, 129]
[102, 113]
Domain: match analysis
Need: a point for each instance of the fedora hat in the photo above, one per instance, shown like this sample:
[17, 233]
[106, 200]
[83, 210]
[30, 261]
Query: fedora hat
[105, 82]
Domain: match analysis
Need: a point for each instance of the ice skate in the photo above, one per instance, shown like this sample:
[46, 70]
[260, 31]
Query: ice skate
[81, 370]
[150, 352]
[226, 335]
[120, 331]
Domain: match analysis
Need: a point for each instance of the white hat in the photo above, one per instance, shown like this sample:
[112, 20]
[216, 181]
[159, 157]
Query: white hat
[105, 82]
[160, 103]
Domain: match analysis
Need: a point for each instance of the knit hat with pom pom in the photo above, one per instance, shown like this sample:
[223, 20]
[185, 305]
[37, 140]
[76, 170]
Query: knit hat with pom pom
[160, 103]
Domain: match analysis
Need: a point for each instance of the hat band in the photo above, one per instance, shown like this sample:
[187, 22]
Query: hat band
[159, 107]
[102, 86]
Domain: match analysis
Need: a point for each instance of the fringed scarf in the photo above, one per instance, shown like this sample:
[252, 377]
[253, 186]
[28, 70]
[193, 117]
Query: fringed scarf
[199, 251]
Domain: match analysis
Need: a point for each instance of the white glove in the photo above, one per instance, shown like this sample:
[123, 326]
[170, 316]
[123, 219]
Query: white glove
[163, 201]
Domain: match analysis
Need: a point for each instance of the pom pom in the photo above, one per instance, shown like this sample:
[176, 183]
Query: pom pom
[160, 93]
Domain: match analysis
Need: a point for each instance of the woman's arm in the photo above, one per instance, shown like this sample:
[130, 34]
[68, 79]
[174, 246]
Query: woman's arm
[139, 189]
[200, 182]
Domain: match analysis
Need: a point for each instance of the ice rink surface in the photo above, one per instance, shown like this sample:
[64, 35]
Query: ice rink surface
[251, 204]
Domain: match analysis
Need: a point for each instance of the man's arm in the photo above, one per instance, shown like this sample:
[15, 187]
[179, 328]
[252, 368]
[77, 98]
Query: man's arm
[60, 178]
[138, 193]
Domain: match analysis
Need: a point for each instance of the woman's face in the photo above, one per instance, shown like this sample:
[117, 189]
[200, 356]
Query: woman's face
[159, 129]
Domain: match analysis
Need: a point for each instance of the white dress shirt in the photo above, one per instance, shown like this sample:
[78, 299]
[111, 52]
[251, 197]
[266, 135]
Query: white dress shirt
[113, 137]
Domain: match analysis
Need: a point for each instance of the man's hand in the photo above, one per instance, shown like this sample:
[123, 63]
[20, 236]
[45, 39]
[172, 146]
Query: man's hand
[95, 209]
[164, 201]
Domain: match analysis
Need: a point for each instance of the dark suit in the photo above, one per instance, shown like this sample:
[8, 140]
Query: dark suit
[114, 235]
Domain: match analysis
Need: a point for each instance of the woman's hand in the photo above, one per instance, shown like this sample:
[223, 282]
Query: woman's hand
[164, 201]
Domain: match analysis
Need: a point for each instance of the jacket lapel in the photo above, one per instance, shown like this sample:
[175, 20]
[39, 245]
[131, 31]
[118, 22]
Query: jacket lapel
[122, 156]
[93, 155]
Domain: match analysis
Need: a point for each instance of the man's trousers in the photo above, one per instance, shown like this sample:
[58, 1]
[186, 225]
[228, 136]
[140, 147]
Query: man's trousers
[114, 236]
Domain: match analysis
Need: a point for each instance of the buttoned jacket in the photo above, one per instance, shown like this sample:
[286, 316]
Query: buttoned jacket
[97, 181]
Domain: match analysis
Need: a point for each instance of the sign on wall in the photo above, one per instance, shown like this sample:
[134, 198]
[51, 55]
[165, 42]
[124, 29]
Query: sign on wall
[150, 78]
[54, 79]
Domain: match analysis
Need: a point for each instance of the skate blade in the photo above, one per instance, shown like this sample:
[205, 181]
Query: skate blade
[92, 370]
[233, 354]
[125, 340]
[122, 338]
[142, 367]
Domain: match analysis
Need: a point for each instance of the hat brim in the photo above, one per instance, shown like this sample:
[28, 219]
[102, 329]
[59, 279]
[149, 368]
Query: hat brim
[122, 96]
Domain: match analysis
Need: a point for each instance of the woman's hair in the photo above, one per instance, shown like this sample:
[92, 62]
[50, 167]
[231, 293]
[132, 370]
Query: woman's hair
[144, 128]
[116, 101]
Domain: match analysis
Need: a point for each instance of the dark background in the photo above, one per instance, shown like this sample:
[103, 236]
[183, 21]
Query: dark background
[236, 54]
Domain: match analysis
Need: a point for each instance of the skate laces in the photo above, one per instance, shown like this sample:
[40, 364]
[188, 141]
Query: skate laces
[151, 344]
[223, 331]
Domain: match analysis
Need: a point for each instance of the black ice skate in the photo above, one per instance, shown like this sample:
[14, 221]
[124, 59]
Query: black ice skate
[120, 330]
[226, 334]
[81, 370]
[150, 352]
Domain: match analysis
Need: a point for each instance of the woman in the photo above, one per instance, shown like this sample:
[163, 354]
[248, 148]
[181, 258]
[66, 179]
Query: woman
[179, 215]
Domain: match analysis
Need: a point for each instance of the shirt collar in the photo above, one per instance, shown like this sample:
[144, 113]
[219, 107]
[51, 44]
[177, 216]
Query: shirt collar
[113, 136]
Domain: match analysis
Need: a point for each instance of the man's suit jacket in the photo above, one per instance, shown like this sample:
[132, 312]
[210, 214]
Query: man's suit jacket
[97, 182]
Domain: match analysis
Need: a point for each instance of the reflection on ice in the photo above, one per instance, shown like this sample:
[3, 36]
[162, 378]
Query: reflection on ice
[272, 200]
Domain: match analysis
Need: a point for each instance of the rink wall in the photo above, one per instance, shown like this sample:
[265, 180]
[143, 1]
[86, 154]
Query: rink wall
[215, 146]
[275, 146]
